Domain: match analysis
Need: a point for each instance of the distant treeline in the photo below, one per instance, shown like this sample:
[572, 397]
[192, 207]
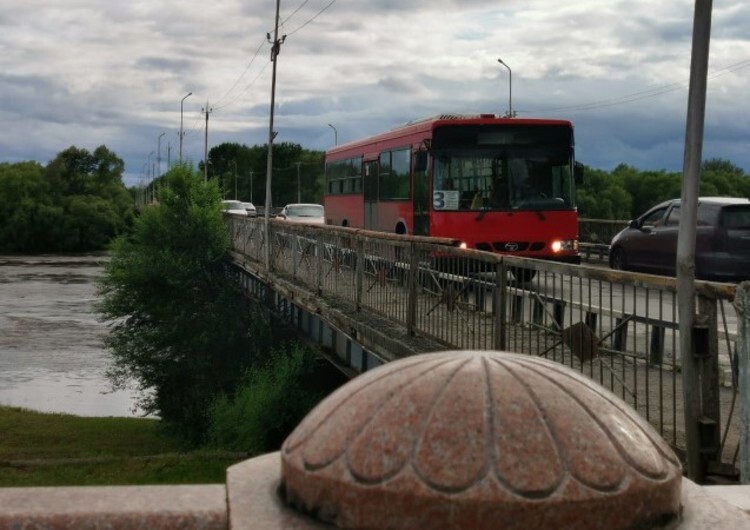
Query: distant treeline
[627, 192]
[78, 202]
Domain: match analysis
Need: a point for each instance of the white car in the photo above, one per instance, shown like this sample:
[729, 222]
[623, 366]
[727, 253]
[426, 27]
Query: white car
[303, 213]
[250, 209]
[233, 207]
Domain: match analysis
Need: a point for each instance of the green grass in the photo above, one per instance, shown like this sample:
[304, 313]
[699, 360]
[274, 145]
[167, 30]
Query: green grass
[38, 449]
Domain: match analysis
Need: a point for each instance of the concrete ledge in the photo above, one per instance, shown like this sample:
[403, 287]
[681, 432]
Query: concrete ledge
[114, 507]
[738, 496]
[249, 501]
[254, 503]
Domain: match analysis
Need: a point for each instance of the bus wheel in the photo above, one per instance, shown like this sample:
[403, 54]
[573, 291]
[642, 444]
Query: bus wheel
[523, 275]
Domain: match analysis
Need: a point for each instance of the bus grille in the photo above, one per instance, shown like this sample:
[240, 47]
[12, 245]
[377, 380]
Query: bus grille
[511, 246]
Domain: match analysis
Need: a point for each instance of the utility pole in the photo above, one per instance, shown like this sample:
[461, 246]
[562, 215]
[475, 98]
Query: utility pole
[251, 187]
[298, 187]
[207, 110]
[275, 48]
[691, 360]
[169, 156]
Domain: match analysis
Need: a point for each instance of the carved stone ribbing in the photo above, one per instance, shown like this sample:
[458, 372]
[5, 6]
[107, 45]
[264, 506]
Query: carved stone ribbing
[479, 440]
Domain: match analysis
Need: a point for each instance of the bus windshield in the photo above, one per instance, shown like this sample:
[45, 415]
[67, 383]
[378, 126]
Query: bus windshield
[503, 170]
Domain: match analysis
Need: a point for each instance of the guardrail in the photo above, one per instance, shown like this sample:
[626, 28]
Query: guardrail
[594, 237]
[599, 231]
[620, 329]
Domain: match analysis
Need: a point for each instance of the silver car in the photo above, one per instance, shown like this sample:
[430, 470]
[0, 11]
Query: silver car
[722, 245]
[250, 208]
[303, 213]
[233, 207]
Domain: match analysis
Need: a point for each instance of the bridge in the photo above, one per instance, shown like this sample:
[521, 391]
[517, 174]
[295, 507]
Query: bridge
[372, 298]
[369, 298]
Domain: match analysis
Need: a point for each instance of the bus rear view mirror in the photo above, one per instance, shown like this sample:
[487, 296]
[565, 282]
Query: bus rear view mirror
[578, 173]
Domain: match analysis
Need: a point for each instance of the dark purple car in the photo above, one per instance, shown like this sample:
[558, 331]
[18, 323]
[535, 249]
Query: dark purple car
[722, 245]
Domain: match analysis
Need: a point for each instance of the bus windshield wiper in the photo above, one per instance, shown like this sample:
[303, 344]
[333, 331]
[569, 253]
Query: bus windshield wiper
[481, 214]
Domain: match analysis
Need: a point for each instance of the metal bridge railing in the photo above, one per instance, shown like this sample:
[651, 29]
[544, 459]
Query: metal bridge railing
[619, 329]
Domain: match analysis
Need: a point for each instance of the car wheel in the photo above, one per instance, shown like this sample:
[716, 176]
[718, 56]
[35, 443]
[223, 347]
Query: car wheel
[618, 260]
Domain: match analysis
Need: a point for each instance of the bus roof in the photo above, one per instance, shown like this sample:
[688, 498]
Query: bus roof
[420, 127]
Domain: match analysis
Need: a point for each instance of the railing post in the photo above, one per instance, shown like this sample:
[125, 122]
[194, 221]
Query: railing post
[742, 305]
[360, 270]
[411, 312]
[319, 255]
[656, 347]
[501, 295]
[706, 350]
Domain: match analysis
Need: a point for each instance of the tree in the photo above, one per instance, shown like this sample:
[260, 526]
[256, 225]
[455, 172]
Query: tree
[290, 161]
[603, 197]
[178, 327]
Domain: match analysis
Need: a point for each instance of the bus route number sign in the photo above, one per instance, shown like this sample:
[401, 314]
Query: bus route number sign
[445, 199]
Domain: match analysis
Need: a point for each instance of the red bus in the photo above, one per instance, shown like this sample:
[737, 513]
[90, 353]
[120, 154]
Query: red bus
[497, 184]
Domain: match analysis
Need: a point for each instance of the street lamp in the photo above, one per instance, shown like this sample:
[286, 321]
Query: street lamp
[510, 88]
[182, 101]
[151, 180]
[235, 178]
[158, 155]
[335, 135]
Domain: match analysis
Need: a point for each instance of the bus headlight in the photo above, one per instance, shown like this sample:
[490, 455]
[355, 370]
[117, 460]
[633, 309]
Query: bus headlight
[565, 245]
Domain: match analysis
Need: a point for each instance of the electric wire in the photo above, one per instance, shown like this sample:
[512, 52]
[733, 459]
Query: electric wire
[644, 94]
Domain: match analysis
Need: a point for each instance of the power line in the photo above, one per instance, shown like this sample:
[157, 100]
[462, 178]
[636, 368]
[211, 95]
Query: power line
[316, 15]
[287, 19]
[255, 55]
[636, 96]
[257, 52]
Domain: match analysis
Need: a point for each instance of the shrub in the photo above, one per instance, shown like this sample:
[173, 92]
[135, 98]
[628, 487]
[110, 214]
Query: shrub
[271, 401]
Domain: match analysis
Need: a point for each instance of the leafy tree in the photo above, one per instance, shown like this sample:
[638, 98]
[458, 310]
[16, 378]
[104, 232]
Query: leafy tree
[603, 197]
[178, 327]
[77, 203]
[722, 178]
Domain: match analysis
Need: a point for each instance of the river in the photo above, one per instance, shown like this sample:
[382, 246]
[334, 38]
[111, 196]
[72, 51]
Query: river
[52, 357]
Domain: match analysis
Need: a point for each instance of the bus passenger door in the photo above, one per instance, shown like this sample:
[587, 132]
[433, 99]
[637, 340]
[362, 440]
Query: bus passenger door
[371, 195]
[421, 204]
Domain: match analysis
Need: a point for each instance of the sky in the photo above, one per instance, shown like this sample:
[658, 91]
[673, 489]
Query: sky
[86, 73]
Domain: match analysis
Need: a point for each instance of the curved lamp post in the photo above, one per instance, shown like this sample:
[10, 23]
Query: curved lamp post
[158, 156]
[510, 88]
[182, 101]
[335, 135]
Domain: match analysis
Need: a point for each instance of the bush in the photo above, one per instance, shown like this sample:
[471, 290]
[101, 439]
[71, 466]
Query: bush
[269, 404]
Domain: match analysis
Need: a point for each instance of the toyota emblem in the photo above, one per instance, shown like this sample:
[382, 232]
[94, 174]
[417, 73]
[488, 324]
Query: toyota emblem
[511, 247]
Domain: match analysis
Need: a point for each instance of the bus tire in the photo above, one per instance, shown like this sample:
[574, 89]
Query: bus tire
[523, 275]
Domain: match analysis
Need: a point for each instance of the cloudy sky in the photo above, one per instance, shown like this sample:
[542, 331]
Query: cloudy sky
[92, 72]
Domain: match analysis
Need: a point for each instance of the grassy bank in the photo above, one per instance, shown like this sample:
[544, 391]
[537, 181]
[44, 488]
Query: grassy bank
[38, 449]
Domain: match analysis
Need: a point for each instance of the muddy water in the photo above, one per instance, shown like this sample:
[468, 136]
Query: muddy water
[52, 358]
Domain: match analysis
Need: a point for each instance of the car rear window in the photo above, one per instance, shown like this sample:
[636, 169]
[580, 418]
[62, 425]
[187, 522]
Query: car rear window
[736, 217]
